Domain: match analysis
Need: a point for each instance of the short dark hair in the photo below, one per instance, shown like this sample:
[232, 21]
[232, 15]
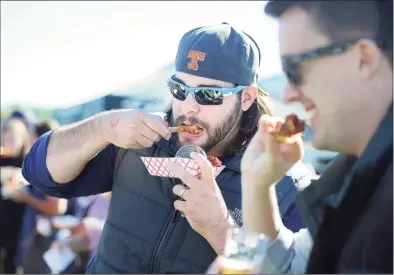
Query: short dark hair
[342, 20]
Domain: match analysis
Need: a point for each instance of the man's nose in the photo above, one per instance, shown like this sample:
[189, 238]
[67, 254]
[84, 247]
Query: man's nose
[291, 94]
[190, 105]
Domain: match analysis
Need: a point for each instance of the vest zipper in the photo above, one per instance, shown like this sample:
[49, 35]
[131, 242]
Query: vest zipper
[179, 239]
[154, 267]
[176, 215]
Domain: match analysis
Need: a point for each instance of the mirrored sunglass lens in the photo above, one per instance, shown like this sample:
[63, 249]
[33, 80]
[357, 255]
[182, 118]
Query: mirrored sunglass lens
[177, 91]
[209, 97]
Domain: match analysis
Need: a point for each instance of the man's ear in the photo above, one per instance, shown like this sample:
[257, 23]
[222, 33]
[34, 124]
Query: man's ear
[369, 58]
[249, 95]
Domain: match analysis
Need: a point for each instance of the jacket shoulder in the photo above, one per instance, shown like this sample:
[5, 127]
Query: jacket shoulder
[373, 234]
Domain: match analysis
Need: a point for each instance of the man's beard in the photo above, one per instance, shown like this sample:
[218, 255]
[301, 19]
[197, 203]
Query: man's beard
[215, 135]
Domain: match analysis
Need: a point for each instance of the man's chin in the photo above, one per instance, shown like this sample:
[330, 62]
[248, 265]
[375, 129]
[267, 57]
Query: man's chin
[195, 141]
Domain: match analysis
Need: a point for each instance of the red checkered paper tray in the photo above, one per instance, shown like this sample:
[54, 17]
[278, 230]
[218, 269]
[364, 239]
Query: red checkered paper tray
[158, 166]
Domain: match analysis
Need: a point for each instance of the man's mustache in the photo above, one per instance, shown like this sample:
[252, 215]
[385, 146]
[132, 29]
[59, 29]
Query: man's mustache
[192, 120]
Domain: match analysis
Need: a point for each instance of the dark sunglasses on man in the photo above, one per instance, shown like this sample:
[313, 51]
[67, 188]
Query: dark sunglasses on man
[291, 64]
[203, 95]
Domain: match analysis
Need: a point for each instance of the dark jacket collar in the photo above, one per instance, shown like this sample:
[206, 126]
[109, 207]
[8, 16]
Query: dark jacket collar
[232, 162]
[334, 183]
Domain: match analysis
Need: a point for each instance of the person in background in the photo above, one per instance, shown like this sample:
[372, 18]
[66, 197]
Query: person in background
[80, 208]
[26, 116]
[85, 237]
[42, 127]
[15, 144]
[19, 115]
[36, 203]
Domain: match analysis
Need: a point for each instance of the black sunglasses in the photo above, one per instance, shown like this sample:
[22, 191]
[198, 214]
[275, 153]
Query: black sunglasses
[291, 64]
[203, 95]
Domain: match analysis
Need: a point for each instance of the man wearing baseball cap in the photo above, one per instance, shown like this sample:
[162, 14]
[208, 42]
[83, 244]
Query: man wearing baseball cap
[214, 87]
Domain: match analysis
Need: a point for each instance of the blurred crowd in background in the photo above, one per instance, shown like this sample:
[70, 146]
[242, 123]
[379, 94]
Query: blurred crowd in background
[31, 222]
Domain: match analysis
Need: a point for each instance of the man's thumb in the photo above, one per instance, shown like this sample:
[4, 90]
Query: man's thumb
[266, 127]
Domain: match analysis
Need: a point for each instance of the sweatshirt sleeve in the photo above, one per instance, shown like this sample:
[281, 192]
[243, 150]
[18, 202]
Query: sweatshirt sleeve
[288, 253]
[94, 179]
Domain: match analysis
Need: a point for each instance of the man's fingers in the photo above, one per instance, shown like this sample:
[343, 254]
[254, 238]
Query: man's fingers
[290, 150]
[145, 142]
[205, 167]
[268, 124]
[266, 120]
[156, 124]
[293, 151]
[149, 133]
[181, 191]
[180, 205]
[258, 143]
[181, 173]
[272, 145]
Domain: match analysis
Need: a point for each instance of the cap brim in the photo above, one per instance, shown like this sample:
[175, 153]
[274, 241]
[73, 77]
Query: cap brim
[262, 91]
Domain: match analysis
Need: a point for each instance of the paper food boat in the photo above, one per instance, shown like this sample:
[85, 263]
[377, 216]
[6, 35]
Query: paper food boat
[158, 166]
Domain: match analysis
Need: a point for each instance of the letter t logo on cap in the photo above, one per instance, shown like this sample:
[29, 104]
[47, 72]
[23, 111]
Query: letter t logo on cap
[195, 57]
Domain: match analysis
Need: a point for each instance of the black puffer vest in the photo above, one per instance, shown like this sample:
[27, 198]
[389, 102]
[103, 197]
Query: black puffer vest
[143, 232]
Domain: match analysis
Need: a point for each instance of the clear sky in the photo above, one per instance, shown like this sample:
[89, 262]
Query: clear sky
[57, 53]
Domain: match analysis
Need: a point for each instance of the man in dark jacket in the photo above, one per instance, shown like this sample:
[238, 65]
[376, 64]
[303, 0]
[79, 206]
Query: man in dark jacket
[214, 87]
[337, 56]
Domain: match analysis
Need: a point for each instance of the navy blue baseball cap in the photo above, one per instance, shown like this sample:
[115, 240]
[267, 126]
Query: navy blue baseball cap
[219, 52]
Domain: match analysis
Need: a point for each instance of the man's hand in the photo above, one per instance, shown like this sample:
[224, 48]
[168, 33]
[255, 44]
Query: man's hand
[18, 196]
[58, 244]
[43, 226]
[266, 160]
[79, 229]
[15, 190]
[203, 203]
[93, 223]
[7, 173]
[133, 128]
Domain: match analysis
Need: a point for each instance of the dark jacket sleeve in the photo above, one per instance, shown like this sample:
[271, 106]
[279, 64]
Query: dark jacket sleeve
[292, 219]
[94, 179]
